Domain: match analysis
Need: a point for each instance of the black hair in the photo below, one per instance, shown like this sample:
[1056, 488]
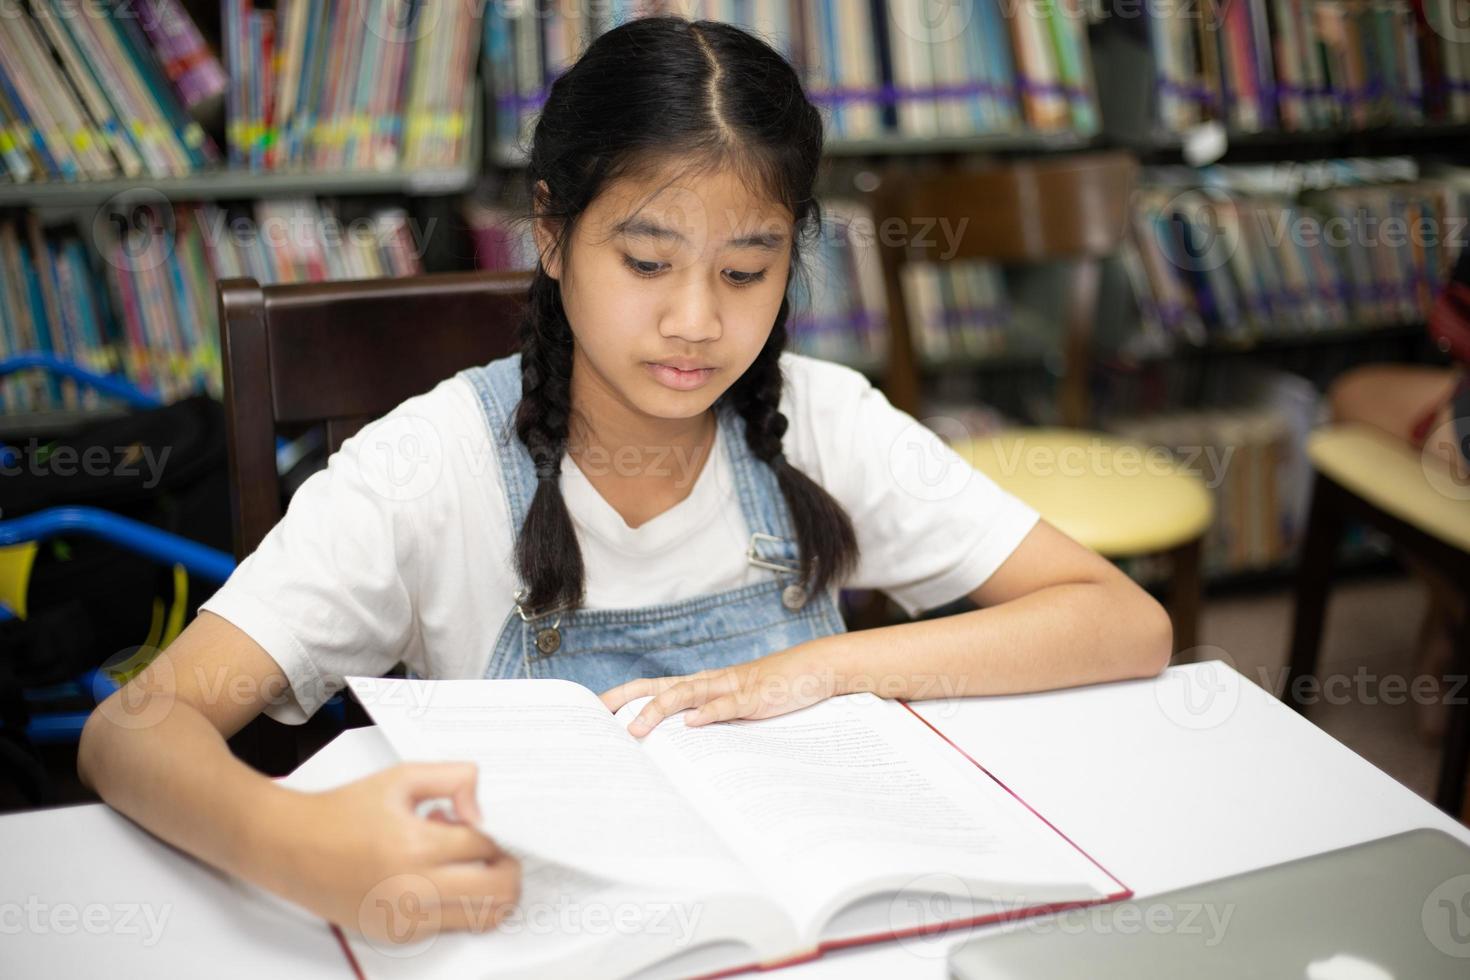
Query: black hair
[653, 91]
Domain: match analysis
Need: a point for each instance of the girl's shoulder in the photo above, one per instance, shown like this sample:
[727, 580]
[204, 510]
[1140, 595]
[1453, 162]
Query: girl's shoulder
[811, 382]
[829, 407]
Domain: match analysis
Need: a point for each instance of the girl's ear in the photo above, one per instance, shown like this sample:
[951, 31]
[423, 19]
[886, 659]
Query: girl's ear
[545, 230]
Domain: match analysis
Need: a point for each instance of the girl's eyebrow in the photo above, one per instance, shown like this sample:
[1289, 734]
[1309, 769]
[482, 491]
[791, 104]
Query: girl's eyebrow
[646, 228]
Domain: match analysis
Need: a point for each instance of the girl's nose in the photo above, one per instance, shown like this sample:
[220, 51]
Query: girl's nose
[693, 313]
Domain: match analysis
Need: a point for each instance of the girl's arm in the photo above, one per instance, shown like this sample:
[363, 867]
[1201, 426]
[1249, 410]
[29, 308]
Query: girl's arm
[155, 750]
[1055, 614]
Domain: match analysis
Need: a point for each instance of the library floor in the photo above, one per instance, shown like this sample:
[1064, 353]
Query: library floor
[1372, 633]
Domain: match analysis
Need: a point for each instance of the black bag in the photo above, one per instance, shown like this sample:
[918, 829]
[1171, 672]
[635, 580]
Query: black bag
[88, 599]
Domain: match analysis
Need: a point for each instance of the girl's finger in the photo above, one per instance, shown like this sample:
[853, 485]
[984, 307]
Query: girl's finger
[419, 781]
[618, 696]
[450, 843]
[723, 708]
[477, 897]
[685, 694]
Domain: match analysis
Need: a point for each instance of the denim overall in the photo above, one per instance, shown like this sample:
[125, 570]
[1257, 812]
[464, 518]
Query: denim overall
[602, 648]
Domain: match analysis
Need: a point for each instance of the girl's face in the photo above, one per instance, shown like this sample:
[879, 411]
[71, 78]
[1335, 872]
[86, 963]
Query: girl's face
[671, 291]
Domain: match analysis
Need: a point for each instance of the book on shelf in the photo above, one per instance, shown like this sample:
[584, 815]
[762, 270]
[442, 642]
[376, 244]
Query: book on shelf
[85, 97]
[141, 303]
[957, 310]
[1212, 260]
[838, 310]
[728, 846]
[190, 64]
[877, 68]
[1284, 66]
[341, 87]
[50, 303]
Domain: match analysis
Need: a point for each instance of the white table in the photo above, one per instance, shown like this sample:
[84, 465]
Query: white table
[1190, 776]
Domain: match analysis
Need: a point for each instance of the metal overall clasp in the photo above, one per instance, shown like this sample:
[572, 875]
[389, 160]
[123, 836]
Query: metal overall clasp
[793, 597]
[548, 638]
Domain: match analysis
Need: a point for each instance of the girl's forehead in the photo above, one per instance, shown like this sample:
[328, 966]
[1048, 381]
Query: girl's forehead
[718, 208]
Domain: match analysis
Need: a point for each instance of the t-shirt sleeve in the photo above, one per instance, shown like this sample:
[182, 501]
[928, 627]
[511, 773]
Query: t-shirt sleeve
[329, 591]
[930, 527]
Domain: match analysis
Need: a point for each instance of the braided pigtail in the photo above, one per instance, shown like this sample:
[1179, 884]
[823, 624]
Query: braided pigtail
[547, 554]
[828, 544]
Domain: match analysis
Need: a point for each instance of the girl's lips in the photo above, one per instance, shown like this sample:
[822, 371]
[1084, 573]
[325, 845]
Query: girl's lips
[679, 380]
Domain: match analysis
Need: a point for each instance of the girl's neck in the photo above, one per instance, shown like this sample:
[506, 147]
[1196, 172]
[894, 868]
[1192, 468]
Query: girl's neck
[603, 426]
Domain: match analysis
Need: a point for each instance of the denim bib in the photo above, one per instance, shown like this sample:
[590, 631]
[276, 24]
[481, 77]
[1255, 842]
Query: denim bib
[601, 648]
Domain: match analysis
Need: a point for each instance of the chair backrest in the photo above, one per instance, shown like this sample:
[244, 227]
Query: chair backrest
[1071, 210]
[344, 353]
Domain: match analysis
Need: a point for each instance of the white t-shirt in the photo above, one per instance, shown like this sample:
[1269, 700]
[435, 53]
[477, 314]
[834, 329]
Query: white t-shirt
[402, 547]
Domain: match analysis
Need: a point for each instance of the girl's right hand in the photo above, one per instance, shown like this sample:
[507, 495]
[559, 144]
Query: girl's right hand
[361, 856]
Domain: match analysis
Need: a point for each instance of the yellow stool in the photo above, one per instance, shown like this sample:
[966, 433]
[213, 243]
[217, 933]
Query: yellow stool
[1120, 497]
[1412, 497]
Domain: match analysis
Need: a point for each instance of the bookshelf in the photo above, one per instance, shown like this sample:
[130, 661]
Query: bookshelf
[234, 184]
[304, 132]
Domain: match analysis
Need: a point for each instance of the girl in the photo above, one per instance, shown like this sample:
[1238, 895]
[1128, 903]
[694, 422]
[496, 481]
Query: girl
[651, 497]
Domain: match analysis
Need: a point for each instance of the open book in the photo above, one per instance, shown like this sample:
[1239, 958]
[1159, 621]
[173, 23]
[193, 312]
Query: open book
[721, 848]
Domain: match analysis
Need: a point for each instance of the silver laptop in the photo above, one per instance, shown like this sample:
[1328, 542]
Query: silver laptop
[1397, 908]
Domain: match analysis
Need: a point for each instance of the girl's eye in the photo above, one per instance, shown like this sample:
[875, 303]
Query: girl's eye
[650, 269]
[747, 278]
[642, 268]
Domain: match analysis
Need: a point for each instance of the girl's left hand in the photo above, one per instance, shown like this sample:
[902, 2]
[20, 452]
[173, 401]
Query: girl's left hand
[771, 685]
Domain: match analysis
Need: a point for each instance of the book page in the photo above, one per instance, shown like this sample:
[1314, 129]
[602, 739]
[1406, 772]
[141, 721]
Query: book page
[570, 924]
[854, 794]
[559, 779]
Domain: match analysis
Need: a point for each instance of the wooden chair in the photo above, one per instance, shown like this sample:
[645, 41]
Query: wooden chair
[1363, 474]
[1071, 211]
[339, 354]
